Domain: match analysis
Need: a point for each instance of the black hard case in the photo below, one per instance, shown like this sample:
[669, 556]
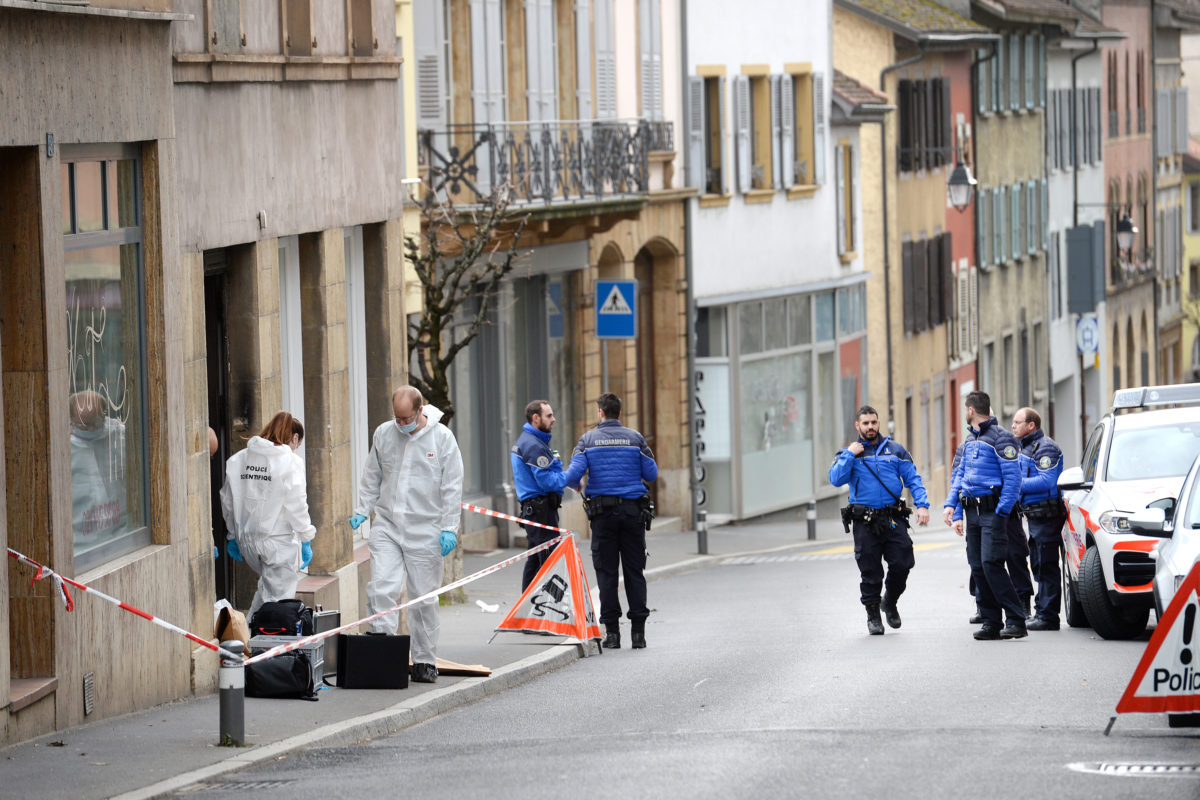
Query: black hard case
[372, 662]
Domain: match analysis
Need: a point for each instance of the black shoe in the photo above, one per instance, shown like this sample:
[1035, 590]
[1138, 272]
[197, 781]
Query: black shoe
[1025, 602]
[988, 632]
[637, 636]
[424, 673]
[1015, 629]
[874, 623]
[888, 607]
[612, 641]
[977, 617]
[1039, 624]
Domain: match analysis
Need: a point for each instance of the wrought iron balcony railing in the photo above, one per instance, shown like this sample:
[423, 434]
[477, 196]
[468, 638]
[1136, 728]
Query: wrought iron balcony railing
[546, 163]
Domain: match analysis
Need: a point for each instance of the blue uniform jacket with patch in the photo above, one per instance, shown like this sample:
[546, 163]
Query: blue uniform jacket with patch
[616, 459]
[890, 461]
[1041, 464]
[984, 464]
[536, 471]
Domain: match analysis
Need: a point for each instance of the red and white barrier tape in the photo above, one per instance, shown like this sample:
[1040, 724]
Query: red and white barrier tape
[487, 512]
[45, 572]
[508, 562]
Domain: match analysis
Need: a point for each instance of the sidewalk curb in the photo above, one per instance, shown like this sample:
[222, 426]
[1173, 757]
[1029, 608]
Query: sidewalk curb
[381, 723]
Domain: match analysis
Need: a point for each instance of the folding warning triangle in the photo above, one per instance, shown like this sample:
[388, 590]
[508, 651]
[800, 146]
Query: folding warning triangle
[1168, 676]
[558, 600]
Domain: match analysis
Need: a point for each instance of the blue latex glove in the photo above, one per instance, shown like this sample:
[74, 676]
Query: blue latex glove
[305, 554]
[356, 520]
[449, 542]
[216, 552]
[234, 551]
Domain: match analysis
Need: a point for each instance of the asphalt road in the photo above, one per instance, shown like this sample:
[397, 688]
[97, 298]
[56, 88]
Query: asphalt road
[760, 680]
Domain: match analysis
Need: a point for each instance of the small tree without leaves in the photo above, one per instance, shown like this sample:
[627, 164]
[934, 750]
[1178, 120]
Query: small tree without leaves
[459, 255]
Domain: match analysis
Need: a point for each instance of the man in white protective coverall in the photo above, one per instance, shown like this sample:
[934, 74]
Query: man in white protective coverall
[412, 480]
[265, 505]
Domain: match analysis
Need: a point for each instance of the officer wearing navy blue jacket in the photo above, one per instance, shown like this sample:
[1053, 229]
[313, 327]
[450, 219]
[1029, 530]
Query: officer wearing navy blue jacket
[1041, 463]
[984, 490]
[878, 470]
[618, 464]
[539, 479]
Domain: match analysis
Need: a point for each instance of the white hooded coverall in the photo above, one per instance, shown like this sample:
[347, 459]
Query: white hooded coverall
[265, 505]
[413, 483]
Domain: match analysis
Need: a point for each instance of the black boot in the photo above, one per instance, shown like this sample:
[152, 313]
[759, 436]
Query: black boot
[978, 617]
[1025, 601]
[637, 634]
[612, 639]
[888, 606]
[874, 623]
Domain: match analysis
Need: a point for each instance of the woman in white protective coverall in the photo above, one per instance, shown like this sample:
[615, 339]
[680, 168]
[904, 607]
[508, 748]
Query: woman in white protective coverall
[265, 504]
[412, 481]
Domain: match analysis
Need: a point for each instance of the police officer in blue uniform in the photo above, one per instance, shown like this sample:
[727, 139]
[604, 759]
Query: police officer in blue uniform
[619, 465]
[878, 470]
[1041, 463]
[984, 490]
[539, 479]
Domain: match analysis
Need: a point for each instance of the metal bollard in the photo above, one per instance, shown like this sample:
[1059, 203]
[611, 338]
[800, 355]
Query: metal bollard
[702, 532]
[231, 681]
[811, 516]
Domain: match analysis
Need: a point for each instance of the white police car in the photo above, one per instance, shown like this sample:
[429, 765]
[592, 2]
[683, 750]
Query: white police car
[1137, 455]
[1178, 526]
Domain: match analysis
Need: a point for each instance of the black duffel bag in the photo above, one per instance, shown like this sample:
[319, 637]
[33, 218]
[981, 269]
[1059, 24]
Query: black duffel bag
[286, 675]
[280, 618]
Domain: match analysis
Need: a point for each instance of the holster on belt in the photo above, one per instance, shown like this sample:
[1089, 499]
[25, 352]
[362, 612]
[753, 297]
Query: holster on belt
[1051, 508]
[984, 503]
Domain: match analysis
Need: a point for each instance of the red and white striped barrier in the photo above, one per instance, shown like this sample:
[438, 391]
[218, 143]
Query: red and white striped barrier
[487, 512]
[45, 572]
[508, 562]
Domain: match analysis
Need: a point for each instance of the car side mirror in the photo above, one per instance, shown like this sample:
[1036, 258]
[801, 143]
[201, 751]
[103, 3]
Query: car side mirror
[1150, 522]
[1072, 479]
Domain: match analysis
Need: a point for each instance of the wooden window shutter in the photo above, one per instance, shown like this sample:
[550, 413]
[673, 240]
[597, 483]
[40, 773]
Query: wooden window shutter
[973, 300]
[773, 179]
[787, 132]
[818, 87]
[583, 59]
[947, 271]
[741, 128]
[904, 156]
[839, 166]
[697, 157]
[906, 279]
[429, 36]
[606, 61]
[1030, 74]
[920, 270]
[933, 257]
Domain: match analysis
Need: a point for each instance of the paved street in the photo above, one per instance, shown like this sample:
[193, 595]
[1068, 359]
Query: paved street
[760, 680]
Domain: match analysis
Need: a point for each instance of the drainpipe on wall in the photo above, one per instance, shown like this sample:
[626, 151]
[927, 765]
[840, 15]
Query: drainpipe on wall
[887, 279]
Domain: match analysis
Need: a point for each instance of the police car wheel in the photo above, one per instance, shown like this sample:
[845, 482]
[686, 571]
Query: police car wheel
[1107, 620]
[1072, 608]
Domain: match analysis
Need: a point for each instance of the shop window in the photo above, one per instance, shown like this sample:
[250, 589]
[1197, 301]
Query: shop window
[106, 353]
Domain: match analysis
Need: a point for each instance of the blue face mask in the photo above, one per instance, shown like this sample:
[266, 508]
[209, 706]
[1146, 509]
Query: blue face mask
[409, 428]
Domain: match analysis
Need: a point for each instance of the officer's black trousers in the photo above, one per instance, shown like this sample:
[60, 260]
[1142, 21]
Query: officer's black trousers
[1018, 557]
[987, 553]
[876, 543]
[548, 516]
[1045, 545]
[618, 535]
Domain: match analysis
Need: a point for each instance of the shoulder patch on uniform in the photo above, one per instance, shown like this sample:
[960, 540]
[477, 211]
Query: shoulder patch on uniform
[1009, 452]
[543, 461]
[1044, 462]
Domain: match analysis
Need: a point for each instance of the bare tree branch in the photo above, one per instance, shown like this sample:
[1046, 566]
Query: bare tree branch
[461, 255]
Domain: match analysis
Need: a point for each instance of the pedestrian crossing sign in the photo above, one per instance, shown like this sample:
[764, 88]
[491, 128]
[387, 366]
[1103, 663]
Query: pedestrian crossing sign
[558, 600]
[616, 304]
[1167, 679]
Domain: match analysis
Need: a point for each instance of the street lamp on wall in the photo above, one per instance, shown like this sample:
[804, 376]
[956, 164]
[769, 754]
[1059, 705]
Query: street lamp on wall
[961, 186]
[1126, 231]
